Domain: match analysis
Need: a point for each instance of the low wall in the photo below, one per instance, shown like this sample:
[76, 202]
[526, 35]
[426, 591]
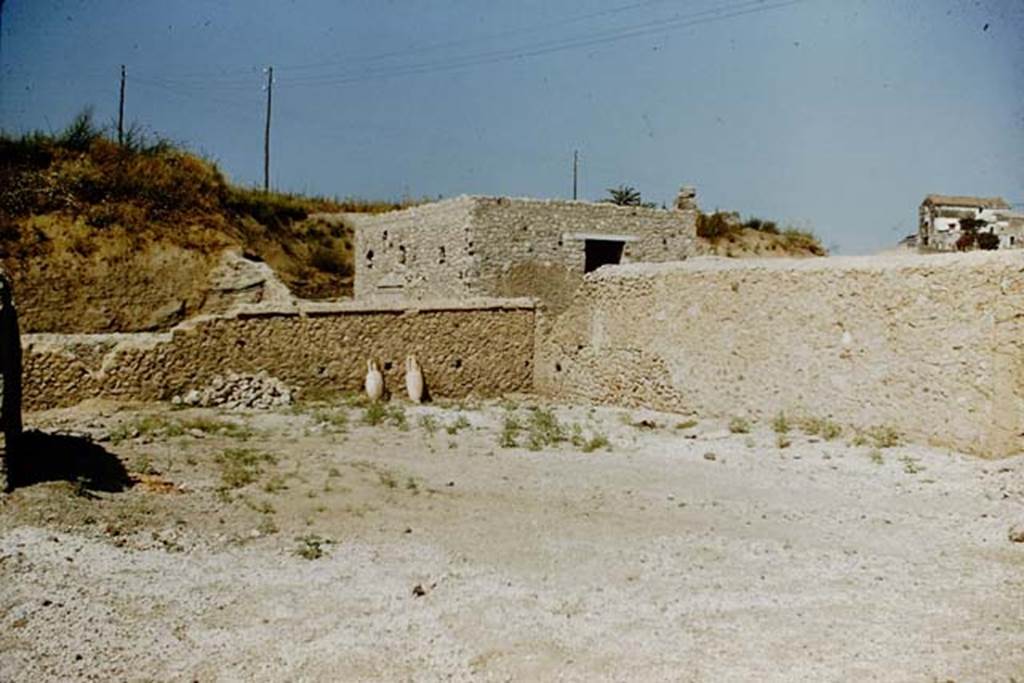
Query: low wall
[932, 346]
[481, 347]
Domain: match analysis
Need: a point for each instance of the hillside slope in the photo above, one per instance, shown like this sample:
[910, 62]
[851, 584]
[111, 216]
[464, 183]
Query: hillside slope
[102, 237]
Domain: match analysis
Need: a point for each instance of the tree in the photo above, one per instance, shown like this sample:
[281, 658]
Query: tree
[988, 241]
[624, 195]
[969, 228]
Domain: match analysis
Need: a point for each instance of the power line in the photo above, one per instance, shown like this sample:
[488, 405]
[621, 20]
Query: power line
[548, 47]
[432, 47]
[353, 74]
[231, 74]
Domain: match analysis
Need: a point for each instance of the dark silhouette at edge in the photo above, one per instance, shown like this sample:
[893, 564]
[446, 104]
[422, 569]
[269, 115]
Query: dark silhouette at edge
[32, 456]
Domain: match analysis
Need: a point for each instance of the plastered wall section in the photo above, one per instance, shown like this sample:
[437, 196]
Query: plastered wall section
[424, 251]
[475, 347]
[932, 346]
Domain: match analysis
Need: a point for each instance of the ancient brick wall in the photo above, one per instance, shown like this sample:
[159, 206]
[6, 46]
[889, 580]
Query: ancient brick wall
[478, 347]
[932, 346]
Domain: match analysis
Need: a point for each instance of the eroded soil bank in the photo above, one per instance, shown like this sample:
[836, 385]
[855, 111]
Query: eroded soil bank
[307, 544]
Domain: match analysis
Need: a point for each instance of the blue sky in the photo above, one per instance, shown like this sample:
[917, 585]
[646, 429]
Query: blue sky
[837, 115]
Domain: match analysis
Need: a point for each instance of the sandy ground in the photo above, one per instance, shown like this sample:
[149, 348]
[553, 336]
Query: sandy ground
[306, 545]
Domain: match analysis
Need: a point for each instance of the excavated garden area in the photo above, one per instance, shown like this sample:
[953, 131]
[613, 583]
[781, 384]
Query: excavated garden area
[514, 540]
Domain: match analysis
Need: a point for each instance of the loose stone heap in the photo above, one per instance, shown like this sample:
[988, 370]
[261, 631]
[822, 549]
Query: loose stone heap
[235, 390]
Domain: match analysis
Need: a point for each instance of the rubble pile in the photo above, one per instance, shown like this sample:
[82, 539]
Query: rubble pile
[234, 390]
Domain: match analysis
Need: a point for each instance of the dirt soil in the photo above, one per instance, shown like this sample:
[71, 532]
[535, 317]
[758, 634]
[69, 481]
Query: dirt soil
[307, 545]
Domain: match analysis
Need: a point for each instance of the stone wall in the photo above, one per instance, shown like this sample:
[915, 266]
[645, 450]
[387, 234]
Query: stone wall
[932, 346]
[479, 347]
[425, 251]
[506, 246]
[531, 247]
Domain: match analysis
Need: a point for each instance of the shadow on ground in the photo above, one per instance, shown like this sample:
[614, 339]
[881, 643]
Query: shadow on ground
[38, 457]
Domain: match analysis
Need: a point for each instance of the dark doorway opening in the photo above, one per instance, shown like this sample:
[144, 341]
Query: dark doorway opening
[602, 253]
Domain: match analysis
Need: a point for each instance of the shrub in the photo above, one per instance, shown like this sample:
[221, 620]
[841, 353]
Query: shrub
[988, 241]
[780, 424]
[718, 225]
[332, 261]
[762, 225]
[803, 240]
[80, 133]
[271, 209]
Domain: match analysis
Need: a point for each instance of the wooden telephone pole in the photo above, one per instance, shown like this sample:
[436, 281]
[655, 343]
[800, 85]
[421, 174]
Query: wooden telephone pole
[575, 171]
[120, 111]
[266, 132]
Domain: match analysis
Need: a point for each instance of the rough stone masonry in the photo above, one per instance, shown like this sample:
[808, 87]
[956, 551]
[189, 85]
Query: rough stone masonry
[930, 346]
[502, 246]
[480, 347]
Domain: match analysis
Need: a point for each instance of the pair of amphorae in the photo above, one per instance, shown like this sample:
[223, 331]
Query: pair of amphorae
[374, 383]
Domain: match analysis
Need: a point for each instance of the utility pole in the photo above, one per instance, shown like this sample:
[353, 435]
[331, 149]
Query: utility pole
[266, 132]
[120, 111]
[575, 171]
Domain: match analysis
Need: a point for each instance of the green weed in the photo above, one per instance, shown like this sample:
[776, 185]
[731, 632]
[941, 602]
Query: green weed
[780, 424]
[311, 546]
[334, 419]
[510, 430]
[884, 436]
[544, 429]
[241, 466]
[428, 423]
[739, 425]
[911, 465]
[459, 423]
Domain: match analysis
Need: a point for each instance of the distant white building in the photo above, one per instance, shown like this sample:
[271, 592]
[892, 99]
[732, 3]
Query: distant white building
[941, 215]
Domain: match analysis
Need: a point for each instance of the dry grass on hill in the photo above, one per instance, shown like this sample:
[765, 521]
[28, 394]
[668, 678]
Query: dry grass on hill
[725, 234]
[79, 195]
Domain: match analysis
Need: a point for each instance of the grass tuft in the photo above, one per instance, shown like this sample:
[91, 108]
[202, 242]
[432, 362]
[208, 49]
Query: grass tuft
[242, 466]
[739, 425]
